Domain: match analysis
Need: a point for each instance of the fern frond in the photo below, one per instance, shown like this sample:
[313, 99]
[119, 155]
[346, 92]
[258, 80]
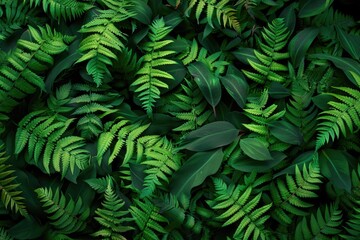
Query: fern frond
[126, 136]
[343, 116]
[352, 226]
[66, 215]
[192, 107]
[150, 76]
[239, 207]
[15, 16]
[104, 38]
[148, 219]
[324, 225]
[275, 38]
[225, 14]
[20, 76]
[100, 184]
[162, 160]
[111, 217]
[4, 235]
[67, 9]
[10, 194]
[47, 141]
[288, 196]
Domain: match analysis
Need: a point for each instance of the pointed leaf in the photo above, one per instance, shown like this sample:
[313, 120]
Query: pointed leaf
[255, 148]
[210, 136]
[310, 8]
[237, 87]
[208, 83]
[194, 171]
[300, 44]
[286, 132]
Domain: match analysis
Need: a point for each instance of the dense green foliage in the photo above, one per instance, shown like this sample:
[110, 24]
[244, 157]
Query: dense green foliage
[179, 119]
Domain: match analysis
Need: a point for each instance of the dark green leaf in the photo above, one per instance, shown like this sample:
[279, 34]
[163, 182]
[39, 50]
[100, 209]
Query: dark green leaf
[237, 87]
[350, 42]
[245, 54]
[304, 158]
[28, 228]
[143, 12]
[278, 91]
[286, 132]
[255, 148]
[299, 45]
[210, 136]
[309, 8]
[194, 171]
[289, 17]
[208, 83]
[348, 65]
[334, 166]
[246, 164]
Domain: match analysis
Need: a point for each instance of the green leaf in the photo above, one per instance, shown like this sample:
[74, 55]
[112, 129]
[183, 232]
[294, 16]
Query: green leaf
[334, 165]
[244, 55]
[210, 136]
[309, 8]
[208, 83]
[349, 42]
[65, 63]
[348, 65]
[246, 164]
[143, 12]
[255, 148]
[237, 87]
[194, 171]
[303, 158]
[286, 132]
[28, 228]
[301, 43]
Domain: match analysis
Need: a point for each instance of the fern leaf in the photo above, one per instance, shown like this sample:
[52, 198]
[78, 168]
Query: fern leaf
[10, 194]
[343, 116]
[111, 217]
[162, 161]
[66, 215]
[148, 219]
[274, 39]
[288, 197]
[67, 9]
[4, 235]
[25, 64]
[239, 208]
[324, 225]
[104, 38]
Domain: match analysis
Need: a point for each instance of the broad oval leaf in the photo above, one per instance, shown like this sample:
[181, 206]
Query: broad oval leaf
[255, 148]
[300, 44]
[286, 132]
[194, 171]
[237, 87]
[208, 83]
[210, 136]
[303, 158]
[334, 165]
[311, 8]
[349, 42]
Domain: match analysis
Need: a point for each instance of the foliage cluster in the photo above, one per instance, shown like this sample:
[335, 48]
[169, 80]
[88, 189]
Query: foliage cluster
[179, 119]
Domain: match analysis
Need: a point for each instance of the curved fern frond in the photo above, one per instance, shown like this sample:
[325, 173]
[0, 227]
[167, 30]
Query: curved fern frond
[67, 9]
[239, 207]
[10, 194]
[103, 40]
[15, 16]
[274, 39]
[126, 135]
[324, 225]
[47, 141]
[224, 12]
[100, 184]
[150, 76]
[288, 196]
[162, 160]
[111, 217]
[4, 235]
[192, 107]
[66, 215]
[352, 226]
[20, 75]
[343, 116]
[148, 219]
